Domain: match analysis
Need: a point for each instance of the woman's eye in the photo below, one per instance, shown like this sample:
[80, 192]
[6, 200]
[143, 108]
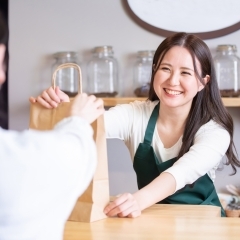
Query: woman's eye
[165, 69]
[186, 73]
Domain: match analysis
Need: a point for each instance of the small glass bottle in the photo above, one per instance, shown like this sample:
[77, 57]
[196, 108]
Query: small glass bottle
[67, 79]
[102, 73]
[142, 73]
[227, 66]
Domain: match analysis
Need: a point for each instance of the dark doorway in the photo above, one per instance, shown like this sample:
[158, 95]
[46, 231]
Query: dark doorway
[4, 88]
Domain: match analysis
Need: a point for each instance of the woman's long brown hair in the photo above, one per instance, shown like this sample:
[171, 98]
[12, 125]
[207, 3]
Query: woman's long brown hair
[207, 104]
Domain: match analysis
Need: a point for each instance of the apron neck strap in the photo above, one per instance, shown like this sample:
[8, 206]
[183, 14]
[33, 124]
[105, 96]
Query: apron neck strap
[151, 125]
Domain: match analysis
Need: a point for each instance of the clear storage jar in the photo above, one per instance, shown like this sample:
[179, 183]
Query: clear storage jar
[67, 78]
[227, 66]
[102, 73]
[142, 73]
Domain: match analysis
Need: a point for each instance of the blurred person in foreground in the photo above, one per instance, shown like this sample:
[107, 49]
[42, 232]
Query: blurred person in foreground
[43, 173]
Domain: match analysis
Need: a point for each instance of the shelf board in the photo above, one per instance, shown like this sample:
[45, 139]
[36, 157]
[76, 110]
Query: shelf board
[231, 102]
[110, 102]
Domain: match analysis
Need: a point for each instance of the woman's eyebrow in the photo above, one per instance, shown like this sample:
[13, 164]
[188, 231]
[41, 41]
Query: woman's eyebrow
[180, 67]
[187, 68]
[162, 63]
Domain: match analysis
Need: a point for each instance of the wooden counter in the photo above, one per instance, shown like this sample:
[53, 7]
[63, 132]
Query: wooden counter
[167, 222]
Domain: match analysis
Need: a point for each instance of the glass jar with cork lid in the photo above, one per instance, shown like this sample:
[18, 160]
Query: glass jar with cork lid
[102, 73]
[227, 66]
[67, 78]
[142, 72]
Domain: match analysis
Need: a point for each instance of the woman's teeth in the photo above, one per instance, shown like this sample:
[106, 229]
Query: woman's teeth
[172, 92]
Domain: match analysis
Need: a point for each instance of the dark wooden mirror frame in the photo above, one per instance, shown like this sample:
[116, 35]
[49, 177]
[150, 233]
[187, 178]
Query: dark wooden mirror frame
[166, 33]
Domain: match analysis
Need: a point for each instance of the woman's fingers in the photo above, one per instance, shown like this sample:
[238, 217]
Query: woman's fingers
[130, 210]
[32, 99]
[134, 214]
[110, 209]
[40, 100]
[88, 107]
[44, 103]
[50, 98]
[62, 96]
[124, 206]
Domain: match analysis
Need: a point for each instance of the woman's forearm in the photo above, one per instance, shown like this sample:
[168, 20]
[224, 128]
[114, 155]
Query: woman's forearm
[160, 188]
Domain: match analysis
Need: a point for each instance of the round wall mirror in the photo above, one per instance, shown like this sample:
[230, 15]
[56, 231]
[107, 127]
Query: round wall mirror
[207, 19]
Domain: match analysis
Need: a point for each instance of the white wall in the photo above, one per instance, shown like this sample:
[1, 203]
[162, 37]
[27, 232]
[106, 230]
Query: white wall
[41, 28]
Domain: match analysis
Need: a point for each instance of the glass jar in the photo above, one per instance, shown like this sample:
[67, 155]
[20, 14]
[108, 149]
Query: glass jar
[142, 73]
[227, 70]
[102, 73]
[67, 79]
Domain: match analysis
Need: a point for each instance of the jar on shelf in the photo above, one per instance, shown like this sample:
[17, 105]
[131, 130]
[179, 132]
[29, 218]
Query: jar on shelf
[102, 73]
[67, 79]
[227, 66]
[142, 73]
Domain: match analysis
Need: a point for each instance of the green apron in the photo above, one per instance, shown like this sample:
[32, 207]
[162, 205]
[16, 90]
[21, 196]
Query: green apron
[147, 168]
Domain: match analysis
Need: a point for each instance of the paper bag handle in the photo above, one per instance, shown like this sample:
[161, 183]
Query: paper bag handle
[68, 65]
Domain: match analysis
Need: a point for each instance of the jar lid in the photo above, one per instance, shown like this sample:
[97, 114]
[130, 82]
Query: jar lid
[103, 49]
[64, 54]
[146, 53]
[227, 47]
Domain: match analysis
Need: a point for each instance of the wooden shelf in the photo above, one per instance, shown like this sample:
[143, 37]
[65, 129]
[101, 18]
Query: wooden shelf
[231, 102]
[110, 102]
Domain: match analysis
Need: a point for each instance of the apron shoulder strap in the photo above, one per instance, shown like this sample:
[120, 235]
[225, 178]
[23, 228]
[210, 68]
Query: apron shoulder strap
[151, 125]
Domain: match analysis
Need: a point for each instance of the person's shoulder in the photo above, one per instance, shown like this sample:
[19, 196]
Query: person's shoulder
[213, 128]
[211, 125]
[146, 106]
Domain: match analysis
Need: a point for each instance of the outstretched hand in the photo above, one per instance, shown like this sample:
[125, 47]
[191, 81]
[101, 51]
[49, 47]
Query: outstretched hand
[50, 98]
[87, 107]
[124, 205]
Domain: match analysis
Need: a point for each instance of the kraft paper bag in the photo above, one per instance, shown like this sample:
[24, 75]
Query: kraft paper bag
[89, 206]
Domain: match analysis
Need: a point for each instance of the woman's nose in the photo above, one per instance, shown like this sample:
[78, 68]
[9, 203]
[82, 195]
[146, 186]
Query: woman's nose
[174, 79]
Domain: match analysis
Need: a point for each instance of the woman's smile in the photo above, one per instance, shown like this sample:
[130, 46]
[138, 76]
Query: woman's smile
[172, 92]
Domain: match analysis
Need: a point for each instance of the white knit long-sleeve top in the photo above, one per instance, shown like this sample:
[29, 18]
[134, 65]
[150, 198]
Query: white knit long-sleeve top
[129, 122]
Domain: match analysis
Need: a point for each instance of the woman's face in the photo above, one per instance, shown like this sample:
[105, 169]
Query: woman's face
[175, 82]
[2, 66]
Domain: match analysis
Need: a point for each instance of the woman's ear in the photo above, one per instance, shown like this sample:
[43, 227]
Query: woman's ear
[206, 79]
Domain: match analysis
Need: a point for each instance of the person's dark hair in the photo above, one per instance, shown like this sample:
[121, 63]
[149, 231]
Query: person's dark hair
[207, 104]
[3, 30]
[4, 36]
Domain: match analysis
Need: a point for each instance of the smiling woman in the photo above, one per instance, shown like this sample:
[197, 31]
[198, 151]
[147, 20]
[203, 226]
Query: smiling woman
[176, 138]
[203, 18]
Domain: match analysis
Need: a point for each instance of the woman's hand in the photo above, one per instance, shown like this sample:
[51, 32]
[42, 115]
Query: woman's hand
[131, 205]
[123, 206]
[50, 98]
[84, 106]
